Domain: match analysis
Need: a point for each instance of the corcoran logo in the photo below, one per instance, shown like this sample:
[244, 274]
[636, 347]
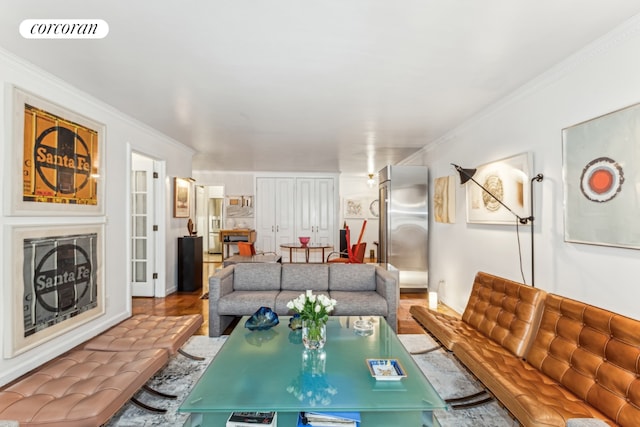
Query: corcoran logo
[64, 29]
[62, 277]
[67, 155]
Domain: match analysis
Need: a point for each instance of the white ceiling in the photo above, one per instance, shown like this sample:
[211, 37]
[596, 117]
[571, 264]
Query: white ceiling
[309, 85]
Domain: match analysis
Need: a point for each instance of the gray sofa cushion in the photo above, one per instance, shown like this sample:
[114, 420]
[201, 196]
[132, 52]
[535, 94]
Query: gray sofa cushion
[245, 303]
[368, 303]
[301, 277]
[285, 296]
[352, 277]
[257, 277]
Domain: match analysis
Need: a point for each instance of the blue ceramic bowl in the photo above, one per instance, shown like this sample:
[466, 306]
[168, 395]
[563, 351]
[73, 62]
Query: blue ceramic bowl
[262, 319]
[295, 322]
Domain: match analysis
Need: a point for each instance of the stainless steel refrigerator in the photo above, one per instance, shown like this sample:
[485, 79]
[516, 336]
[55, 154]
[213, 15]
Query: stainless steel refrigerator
[404, 222]
[215, 224]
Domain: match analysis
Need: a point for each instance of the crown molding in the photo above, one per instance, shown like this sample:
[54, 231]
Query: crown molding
[601, 46]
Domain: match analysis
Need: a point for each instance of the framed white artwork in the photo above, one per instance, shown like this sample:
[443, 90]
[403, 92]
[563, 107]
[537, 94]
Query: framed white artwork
[55, 164]
[354, 208]
[601, 180]
[55, 283]
[508, 180]
[444, 199]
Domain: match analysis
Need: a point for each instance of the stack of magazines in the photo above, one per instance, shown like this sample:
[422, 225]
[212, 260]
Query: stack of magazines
[329, 419]
[250, 419]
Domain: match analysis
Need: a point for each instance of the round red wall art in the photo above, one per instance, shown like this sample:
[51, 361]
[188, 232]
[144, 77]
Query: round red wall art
[601, 179]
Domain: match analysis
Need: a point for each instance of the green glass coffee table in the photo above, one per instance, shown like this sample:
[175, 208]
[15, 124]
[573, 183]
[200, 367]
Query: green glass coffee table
[270, 371]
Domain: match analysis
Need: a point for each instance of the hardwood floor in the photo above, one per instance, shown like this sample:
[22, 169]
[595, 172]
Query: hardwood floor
[191, 303]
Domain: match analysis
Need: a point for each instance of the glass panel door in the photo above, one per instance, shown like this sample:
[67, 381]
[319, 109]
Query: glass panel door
[141, 226]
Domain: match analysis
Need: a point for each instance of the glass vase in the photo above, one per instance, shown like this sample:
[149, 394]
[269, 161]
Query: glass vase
[314, 334]
[314, 362]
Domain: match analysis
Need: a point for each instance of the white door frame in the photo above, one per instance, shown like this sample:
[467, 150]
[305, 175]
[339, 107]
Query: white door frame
[156, 238]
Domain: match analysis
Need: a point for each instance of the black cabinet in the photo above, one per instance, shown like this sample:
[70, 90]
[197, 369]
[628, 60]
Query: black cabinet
[189, 263]
[343, 243]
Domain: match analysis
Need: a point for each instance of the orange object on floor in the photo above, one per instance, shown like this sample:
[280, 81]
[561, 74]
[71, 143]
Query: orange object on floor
[246, 249]
[355, 253]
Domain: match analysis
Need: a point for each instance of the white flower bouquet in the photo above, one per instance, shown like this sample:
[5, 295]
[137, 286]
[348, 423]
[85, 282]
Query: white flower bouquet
[314, 311]
[312, 307]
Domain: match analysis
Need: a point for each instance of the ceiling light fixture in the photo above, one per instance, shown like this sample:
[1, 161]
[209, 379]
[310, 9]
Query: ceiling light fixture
[371, 181]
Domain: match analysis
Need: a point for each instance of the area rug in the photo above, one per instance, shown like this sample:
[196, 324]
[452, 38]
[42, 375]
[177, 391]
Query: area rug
[178, 378]
[450, 379]
[445, 373]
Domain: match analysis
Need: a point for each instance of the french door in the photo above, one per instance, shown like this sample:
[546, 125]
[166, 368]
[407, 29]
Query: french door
[142, 221]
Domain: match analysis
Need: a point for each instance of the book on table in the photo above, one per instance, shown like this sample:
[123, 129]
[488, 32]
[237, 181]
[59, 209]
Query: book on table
[329, 419]
[250, 419]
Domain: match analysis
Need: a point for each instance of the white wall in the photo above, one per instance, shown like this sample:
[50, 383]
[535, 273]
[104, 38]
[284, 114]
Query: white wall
[234, 184]
[354, 186]
[602, 78]
[122, 135]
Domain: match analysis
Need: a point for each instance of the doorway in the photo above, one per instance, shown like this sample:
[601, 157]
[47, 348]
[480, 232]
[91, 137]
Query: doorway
[210, 220]
[142, 234]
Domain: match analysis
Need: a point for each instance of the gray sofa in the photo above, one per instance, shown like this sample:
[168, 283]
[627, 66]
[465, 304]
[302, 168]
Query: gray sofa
[359, 289]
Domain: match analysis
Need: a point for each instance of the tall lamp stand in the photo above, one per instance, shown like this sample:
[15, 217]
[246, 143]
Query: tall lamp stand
[467, 175]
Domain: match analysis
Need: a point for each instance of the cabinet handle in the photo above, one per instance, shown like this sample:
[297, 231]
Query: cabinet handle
[272, 230]
[277, 228]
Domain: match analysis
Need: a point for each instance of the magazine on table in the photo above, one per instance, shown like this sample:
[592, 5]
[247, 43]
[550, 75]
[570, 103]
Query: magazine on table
[329, 419]
[251, 419]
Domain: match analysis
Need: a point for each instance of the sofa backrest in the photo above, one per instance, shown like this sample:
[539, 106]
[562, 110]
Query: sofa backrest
[592, 352]
[505, 311]
[249, 276]
[352, 277]
[302, 277]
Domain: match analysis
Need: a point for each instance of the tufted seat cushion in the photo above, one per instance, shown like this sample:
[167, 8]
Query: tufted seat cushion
[592, 352]
[532, 397]
[503, 310]
[445, 328]
[584, 363]
[142, 331]
[79, 389]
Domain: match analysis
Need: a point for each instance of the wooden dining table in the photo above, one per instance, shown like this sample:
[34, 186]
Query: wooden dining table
[307, 248]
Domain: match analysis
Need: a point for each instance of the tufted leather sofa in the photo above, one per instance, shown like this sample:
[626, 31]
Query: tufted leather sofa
[505, 311]
[144, 331]
[572, 364]
[584, 363]
[80, 389]
[87, 387]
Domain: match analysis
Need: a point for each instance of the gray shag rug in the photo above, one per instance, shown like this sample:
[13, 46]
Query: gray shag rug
[445, 373]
